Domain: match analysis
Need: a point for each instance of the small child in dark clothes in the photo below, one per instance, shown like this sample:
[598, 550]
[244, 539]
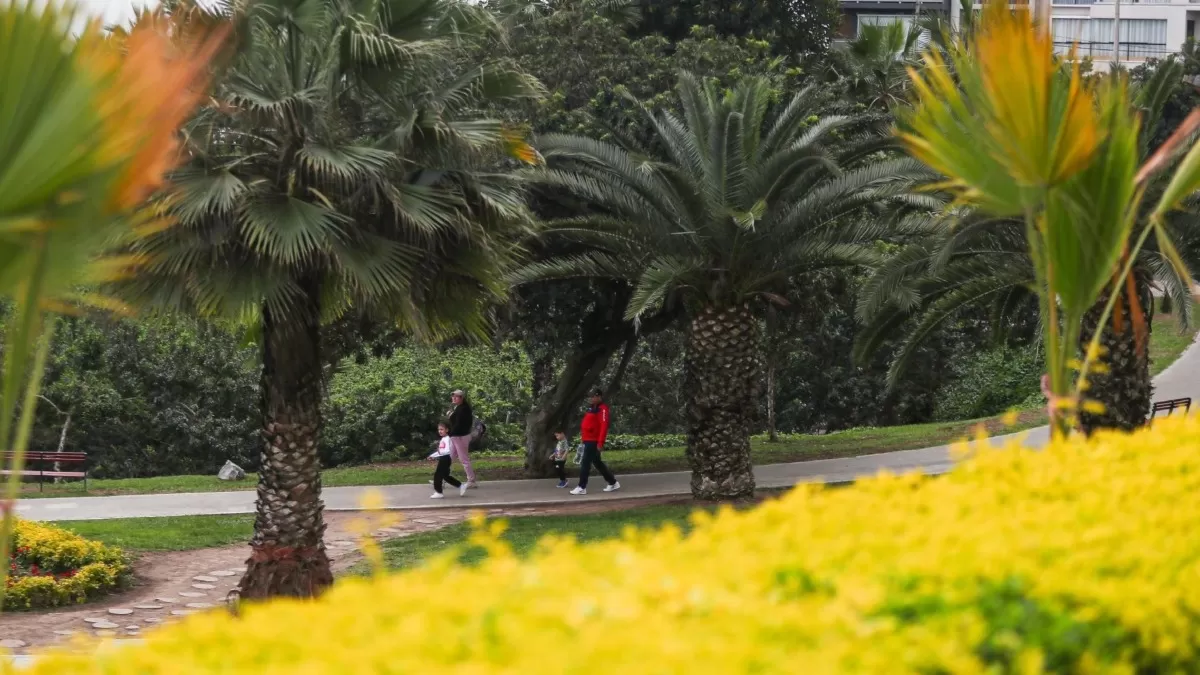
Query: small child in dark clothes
[560, 458]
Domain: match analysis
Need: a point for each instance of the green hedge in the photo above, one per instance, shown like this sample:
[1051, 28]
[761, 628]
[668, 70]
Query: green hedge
[387, 408]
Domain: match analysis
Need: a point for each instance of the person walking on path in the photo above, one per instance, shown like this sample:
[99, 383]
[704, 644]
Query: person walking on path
[461, 419]
[560, 457]
[442, 472]
[592, 432]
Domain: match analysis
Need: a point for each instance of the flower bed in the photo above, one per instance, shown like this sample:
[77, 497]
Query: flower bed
[1082, 558]
[50, 567]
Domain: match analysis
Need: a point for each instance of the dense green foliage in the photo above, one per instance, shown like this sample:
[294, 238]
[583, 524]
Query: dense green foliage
[990, 382]
[791, 26]
[387, 408]
[151, 397]
[589, 61]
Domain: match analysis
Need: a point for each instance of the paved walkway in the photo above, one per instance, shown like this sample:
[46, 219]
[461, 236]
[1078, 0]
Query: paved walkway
[1181, 379]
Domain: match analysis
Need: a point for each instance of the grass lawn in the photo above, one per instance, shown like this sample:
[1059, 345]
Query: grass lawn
[173, 533]
[1167, 342]
[523, 533]
[187, 533]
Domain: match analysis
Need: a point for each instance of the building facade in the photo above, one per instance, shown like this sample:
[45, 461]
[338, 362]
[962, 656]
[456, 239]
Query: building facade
[1149, 28]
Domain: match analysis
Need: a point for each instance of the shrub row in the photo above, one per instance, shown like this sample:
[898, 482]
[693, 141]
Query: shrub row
[50, 567]
[1079, 558]
[387, 408]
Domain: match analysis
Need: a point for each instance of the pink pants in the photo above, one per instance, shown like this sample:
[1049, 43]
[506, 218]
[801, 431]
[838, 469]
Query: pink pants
[459, 449]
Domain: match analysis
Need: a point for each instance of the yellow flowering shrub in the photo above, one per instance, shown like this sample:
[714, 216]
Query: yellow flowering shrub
[50, 566]
[1083, 558]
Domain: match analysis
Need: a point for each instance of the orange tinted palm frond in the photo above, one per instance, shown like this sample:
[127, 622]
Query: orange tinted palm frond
[518, 148]
[155, 82]
[1140, 329]
[1047, 130]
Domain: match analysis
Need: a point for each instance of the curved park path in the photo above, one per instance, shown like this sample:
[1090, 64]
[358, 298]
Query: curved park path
[1181, 379]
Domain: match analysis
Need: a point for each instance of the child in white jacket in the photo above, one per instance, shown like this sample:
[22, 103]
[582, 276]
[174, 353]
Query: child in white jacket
[442, 472]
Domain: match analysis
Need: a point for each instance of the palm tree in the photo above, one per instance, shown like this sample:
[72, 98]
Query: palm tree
[337, 167]
[964, 259]
[874, 66]
[718, 212]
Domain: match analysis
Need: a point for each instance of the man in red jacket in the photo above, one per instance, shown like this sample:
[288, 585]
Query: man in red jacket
[592, 432]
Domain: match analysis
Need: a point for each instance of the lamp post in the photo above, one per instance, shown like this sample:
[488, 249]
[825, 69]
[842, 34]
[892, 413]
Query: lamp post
[1116, 59]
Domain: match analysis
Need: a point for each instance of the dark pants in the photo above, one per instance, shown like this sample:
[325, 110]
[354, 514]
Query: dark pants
[442, 473]
[591, 456]
[560, 468]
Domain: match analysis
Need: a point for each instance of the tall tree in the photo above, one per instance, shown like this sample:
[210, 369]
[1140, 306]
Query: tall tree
[799, 27]
[583, 53]
[874, 66]
[339, 166]
[723, 207]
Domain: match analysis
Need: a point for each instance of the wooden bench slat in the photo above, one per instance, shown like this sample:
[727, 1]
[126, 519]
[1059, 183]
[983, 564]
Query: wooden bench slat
[1168, 406]
[42, 465]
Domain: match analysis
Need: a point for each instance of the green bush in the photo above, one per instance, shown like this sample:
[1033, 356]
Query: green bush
[387, 408]
[643, 441]
[991, 382]
[153, 397]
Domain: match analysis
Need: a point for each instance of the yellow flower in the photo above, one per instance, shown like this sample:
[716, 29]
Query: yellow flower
[1011, 417]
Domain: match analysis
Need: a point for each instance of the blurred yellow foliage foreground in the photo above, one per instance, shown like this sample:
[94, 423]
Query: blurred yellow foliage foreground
[1081, 558]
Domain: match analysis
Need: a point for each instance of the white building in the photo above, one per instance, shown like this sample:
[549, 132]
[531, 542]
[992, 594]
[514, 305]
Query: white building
[859, 13]
[1149, 28]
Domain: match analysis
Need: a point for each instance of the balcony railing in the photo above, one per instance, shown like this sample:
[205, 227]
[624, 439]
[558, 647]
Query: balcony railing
[1101, 51]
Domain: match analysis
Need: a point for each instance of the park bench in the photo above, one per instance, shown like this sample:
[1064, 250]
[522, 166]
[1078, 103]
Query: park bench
[50, 464]
[1170, 405]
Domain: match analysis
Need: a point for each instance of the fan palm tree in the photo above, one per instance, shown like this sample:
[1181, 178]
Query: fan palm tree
[718, 212]
[965, 258]
[874, 66]
[338, 166]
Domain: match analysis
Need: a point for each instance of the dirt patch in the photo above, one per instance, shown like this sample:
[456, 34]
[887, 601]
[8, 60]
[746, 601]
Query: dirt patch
[169, 586]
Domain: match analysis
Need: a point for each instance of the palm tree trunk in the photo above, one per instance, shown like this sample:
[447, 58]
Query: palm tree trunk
[288, 552]
[1126, 389]
[722, 381]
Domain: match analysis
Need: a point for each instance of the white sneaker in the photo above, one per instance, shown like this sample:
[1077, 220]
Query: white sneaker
[579, 491]
[462, 490]
[437, 495]
[613, 488]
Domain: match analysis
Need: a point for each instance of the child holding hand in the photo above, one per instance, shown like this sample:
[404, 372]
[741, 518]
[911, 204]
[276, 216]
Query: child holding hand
[442, 472]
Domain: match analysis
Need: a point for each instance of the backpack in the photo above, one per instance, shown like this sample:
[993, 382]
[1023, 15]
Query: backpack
[478, 429]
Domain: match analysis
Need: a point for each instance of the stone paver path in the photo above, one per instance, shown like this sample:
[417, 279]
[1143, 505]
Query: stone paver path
[164, 595]
[161, 598]
[1181, 379]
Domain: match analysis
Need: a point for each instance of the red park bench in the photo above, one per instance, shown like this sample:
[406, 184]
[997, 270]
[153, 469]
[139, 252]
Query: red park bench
[47, 462]
[1170, 405]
